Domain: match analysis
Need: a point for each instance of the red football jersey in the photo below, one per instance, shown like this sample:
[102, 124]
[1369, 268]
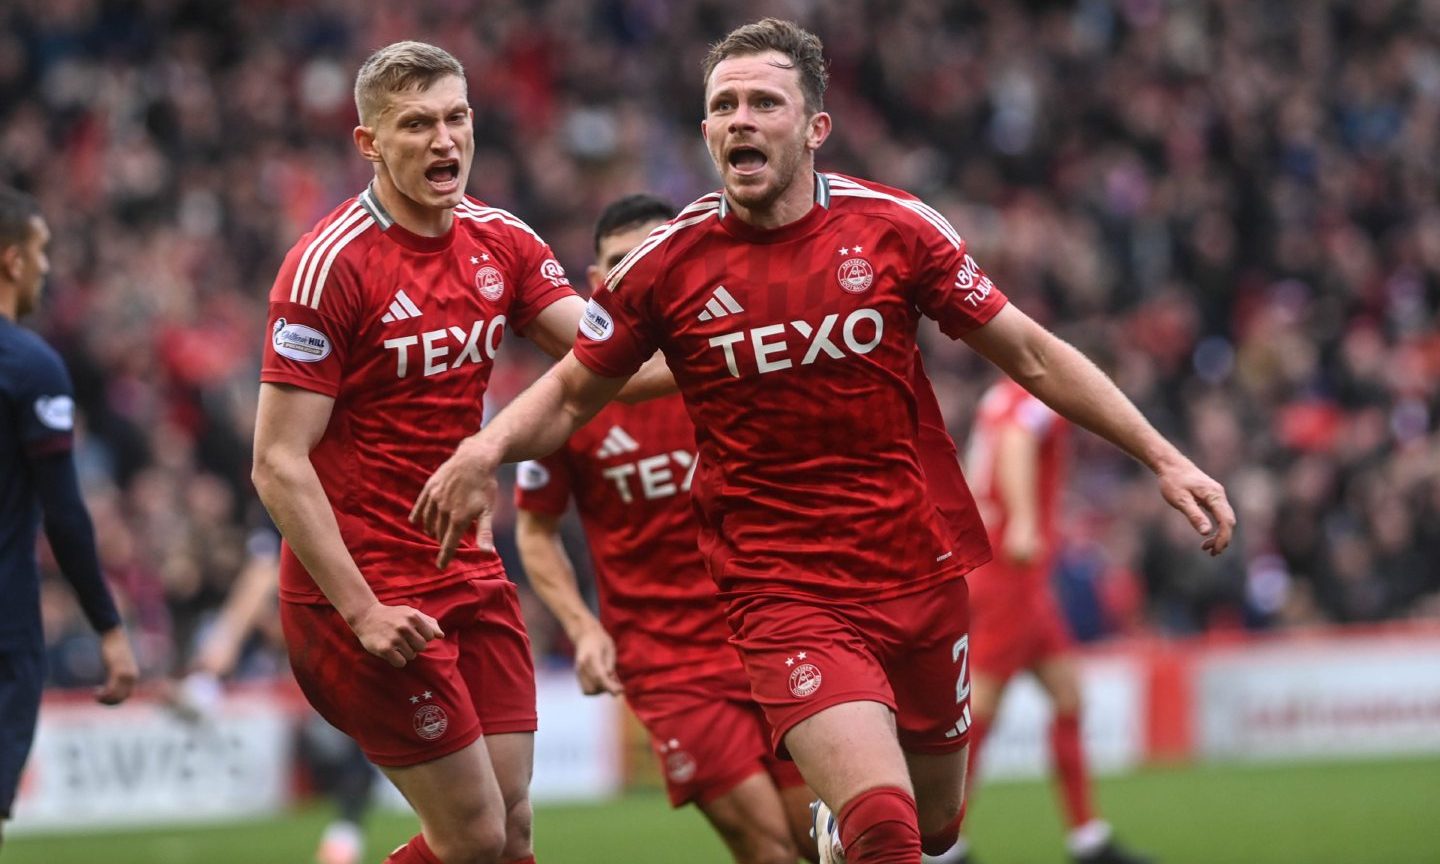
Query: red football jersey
[629, 470]
[793, 349]
[402, 330]
[1006, 404]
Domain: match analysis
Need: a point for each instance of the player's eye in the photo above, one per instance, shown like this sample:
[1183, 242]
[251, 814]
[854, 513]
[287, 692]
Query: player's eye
[722, 105]
[767, 102]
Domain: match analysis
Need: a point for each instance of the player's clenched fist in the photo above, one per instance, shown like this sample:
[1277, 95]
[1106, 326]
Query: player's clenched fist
[460, 491]
[395, 634]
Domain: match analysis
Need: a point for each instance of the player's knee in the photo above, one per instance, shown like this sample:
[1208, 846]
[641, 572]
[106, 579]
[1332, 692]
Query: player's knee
[518, 828]
[481, 841]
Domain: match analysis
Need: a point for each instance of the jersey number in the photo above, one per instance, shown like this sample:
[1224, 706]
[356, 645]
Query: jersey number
[960, 653]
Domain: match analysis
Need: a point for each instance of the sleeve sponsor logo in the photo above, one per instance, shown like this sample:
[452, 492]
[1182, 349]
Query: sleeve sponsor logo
[596, 323]
[299, 342]
[973, 281]
[531, 475]
[56, 412]
[552, 271]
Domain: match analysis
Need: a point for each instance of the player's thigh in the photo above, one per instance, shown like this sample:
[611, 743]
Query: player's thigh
[751, 819]
[986, 691]
[22, 677]
[939, 780]
[399, 717]
[848, 748]
[1060, 677]
[928, 661]
[457, 798]
[495, 660]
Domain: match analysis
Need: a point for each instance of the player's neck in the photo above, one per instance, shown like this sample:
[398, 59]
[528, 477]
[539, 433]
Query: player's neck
[410, 214]
[790, 206]
[9, 304]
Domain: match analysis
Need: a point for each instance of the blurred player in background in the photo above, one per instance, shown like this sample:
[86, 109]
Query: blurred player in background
[787, 307]
[37, 479]
[335, 762]
[384, 324]
[629, 471]
[1016, 462]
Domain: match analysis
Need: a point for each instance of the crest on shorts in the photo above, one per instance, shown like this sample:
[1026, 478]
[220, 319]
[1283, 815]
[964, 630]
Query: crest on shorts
[805, 677]
[679, 764]
[430, 721]
[489, 283]
[855, 275]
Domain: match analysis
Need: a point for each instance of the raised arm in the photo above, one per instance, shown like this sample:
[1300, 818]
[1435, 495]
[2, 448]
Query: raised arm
[1063, 378]
[546, 562]
[539, 420]
[288, 424]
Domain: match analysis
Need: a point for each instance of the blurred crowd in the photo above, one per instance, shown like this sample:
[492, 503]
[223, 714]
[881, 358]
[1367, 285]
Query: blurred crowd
[1233, 205]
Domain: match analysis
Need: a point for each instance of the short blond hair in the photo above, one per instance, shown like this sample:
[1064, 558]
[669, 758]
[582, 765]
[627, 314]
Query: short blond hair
[398, 67]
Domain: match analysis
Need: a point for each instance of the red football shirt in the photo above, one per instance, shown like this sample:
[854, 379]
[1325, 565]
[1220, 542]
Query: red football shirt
[402, 331]
[1007, 404]
[793, 349]
[629, 470]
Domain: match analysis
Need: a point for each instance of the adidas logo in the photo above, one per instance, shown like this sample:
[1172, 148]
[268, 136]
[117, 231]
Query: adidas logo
[401, 308]
[617, 441]
[720, 304]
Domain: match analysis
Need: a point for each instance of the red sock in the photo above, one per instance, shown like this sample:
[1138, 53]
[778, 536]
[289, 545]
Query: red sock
[1070, 769]
[417, 851]
[978, 730]
[879, 826]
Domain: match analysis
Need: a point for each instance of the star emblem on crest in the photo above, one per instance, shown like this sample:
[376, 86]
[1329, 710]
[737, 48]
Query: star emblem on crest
[789, 661]
[474, 260]
[414, 699]
[844, 250]
[801, 655]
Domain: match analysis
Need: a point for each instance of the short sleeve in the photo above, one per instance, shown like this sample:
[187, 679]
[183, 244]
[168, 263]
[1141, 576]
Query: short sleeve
[617, 328]
[543, 485]
[313, 319]
[539, 278]
[47, 404]
[950, 286]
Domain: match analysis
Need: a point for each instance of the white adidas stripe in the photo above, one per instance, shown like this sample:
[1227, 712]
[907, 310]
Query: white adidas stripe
[488, 214]
[844, 187]
[654, 240]
[724, 297]
[409, 305]
[330, 258]
[331, 231]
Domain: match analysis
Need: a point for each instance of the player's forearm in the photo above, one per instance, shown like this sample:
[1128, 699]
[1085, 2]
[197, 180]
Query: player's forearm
[291, 491]
[553, 578]
[249, 595]
[72, 539]
[1068, 382]
[1017, 475]
[544, 416]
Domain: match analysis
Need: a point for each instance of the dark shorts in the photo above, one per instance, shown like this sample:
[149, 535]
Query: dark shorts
[477, 680]
[22, 678]
[910, 653]
[709, 735]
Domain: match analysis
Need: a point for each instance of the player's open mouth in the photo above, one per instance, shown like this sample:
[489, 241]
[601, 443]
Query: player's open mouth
[443, 175]
[747, 160]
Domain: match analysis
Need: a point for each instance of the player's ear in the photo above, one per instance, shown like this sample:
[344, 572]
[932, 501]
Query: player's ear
[819, 130]
[10, 262]
[365, 143]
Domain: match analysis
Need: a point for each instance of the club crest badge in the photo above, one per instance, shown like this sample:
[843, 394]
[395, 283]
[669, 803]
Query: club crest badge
[430, 721]
[856, 275]
[489, 283]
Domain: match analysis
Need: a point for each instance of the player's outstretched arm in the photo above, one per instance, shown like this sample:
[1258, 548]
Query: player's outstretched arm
[463, 489]
[1067, 381]
[543, 555]
[288, 424]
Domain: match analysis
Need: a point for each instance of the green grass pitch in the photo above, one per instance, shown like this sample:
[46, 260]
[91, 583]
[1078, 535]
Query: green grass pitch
[1333, 813]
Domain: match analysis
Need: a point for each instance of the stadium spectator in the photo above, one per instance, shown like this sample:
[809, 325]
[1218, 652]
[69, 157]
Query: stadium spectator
[805, 564]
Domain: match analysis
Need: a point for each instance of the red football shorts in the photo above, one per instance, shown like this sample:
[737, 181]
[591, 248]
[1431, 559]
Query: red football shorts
[477, 680]
[709, 735]
[910, 653]
[1015, 623]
